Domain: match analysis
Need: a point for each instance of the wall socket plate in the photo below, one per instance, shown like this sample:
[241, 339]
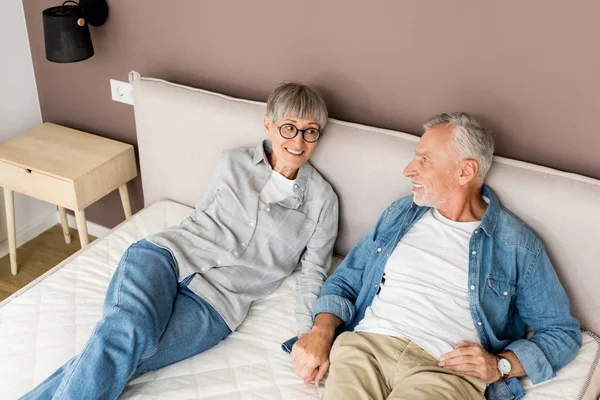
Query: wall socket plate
[121, 91]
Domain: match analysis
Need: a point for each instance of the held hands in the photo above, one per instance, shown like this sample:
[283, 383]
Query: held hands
[471, 359]
[310, 355]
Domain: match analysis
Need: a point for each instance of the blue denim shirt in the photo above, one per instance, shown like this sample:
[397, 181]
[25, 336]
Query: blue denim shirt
[512, 285]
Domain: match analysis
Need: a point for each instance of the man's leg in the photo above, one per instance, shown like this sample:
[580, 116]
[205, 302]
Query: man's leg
[361, 365]
[419, 377]
[137, 308]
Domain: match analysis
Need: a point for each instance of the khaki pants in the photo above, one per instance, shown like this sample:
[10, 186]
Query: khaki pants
[371, 366]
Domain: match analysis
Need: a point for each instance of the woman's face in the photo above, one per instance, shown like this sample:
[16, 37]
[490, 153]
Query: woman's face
[289, 154]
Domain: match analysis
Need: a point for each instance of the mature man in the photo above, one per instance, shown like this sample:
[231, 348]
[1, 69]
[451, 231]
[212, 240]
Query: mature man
[436, 298]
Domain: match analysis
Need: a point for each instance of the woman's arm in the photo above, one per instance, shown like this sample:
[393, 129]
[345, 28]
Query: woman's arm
[316, 263]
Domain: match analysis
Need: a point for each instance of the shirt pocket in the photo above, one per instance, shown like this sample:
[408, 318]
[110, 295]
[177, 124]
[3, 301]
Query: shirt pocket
[227, 199]
[498, 302]
[503, 287]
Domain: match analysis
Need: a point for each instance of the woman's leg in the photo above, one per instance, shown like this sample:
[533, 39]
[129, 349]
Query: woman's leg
[193, 328]
[47, 388]
[137, 308]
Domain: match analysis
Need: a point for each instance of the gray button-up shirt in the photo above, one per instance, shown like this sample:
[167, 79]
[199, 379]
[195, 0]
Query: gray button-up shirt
[240, 254]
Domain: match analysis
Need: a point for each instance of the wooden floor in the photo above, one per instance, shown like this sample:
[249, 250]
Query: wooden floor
[36, 257]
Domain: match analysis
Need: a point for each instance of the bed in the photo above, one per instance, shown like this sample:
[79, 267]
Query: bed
[181, 132]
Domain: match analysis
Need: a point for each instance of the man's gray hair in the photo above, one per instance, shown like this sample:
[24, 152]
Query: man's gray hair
[297, 100]
[470, 139]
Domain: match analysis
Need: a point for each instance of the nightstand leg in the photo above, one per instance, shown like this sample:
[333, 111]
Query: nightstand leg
[9, 204]
[82, 228]
[65, 224]
[125, 200]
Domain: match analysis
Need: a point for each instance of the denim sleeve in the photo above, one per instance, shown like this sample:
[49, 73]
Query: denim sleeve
[544, 305]
[316, 263]
[340, 291]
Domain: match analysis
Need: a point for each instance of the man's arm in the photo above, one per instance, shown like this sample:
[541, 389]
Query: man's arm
[341, 289]
[542, 304]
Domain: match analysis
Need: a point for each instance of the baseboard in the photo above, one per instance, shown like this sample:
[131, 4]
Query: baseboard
[43, 224]
[93, 228]
[31, 231]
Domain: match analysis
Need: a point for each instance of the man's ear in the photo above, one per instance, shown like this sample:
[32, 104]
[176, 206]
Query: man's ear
[468, 171]
[267, 123]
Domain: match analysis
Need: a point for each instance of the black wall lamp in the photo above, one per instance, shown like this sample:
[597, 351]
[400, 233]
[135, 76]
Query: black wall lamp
[66, 30]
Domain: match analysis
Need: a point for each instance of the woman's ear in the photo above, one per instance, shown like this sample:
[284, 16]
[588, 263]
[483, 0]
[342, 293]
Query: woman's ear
[267, 123]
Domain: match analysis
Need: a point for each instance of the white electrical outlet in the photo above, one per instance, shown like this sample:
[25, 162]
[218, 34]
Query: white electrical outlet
[121, 91]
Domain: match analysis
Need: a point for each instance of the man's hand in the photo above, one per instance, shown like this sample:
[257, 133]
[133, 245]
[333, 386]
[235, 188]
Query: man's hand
[310, 354]
[471, 359]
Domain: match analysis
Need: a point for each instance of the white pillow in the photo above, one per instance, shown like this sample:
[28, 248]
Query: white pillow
[579, 380]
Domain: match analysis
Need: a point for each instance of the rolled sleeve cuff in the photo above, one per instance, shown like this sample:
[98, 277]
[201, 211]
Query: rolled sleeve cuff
[533, 360]
[288, 344]
[336, 305]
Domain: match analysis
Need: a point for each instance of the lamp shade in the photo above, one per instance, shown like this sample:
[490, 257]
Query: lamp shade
[66, 34]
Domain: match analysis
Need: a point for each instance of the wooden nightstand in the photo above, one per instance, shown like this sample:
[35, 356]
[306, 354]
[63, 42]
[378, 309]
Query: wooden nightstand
[66, 167]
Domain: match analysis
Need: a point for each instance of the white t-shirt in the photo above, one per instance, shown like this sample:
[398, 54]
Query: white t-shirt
[425, 294]
[277, 188]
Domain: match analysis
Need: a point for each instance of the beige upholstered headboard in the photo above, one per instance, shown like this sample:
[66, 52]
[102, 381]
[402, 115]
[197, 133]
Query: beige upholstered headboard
[181, 132]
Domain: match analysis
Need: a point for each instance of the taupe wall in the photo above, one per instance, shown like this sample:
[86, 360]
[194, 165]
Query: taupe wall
[528, 69]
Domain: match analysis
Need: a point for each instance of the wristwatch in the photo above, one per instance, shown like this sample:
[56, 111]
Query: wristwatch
[504, 367]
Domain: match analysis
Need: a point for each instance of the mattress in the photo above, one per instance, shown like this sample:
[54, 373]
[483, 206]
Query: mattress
[49, 321]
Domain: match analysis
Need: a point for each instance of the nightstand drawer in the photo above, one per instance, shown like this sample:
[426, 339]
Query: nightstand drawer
[35, 184]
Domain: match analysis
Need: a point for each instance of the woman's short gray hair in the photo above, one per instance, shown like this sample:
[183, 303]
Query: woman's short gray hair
[297, 100]
[470, 139]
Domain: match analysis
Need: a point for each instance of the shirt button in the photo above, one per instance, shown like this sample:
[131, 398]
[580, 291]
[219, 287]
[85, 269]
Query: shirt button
[202, 269]
[376, 285]
[251, 223]
[235, 253]
[473, 252]
[268, 208]
[479, 323]
[243, 244]
[387, 254]
[379, 249]
[505, 293]
[476, 231]
[472, 287]
[218, 262]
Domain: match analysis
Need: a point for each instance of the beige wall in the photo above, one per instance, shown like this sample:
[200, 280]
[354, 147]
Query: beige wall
[528, 69]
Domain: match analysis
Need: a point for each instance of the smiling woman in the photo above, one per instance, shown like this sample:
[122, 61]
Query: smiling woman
[266, 210]
[296, 114]
[291, 150]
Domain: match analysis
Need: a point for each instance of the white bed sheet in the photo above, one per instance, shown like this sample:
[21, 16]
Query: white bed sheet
[49, 321]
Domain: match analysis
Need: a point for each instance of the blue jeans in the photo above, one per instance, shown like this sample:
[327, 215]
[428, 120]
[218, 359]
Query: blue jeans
[150, 320]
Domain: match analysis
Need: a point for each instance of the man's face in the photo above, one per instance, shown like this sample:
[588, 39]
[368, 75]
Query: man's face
[434, 171]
